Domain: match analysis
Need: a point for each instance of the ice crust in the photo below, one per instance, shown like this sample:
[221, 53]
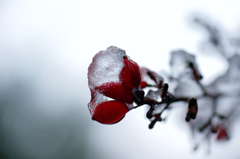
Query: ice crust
[105, 67]
[180, 63]
[156, 95]
[98, 98]
[187, 87]
[147, 79]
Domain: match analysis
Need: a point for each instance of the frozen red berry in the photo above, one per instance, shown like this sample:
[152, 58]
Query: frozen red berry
[110, 112]
[116, 91]
[112, 77]
[130, 74]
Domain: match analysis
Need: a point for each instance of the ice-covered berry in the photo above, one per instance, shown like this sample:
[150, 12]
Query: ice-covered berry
[112, 77]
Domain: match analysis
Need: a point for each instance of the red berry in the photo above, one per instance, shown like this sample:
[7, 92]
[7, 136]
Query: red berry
[130, 75]
[116, 91]
[222, 134]
[110, 112]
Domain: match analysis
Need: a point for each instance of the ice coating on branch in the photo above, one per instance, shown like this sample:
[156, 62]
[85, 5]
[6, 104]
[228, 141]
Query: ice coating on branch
[181, 63]
[204, 113]
[106, 67]
[187, 88]
[230, 81]
[150, 77]
[156, 95]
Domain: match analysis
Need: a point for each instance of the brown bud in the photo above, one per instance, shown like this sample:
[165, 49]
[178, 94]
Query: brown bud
[164, 90]
[150, 113]
[192, 109]
[151, 125]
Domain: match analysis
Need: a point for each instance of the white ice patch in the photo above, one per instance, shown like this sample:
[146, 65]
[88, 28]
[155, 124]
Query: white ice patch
[156, 95]
[130, 106]
[98, 98]
[180, 63]
[187, 88]
[105, 67]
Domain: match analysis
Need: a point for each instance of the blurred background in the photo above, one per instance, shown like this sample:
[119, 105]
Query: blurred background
[45, 50]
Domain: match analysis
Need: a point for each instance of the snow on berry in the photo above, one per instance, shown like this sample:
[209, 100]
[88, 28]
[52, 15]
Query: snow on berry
[112, 77]
[105, 67]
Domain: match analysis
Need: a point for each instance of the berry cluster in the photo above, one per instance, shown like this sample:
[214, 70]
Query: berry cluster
[116, 83]
[112, 98]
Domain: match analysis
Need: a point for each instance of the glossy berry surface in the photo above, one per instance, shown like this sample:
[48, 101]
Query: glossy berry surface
[130, 74]
[110, 112]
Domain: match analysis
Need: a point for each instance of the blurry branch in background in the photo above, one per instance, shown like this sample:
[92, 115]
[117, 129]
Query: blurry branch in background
[216, 105]
[225, 89]
[211, 109]
[219, 40]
